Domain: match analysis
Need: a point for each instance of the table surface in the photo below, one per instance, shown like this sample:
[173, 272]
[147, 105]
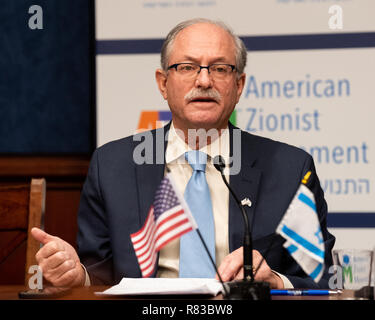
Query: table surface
[10, 292]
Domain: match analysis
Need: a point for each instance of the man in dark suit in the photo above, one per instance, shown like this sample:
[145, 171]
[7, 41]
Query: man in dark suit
[202, 80]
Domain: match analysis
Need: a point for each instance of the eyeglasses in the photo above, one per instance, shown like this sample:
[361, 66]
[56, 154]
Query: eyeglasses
[190, 70]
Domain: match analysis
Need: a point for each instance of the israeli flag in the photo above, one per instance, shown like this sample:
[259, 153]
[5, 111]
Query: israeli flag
[301, 228]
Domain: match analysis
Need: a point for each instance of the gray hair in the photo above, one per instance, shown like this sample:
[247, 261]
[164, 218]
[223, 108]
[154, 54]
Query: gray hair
[241, 51]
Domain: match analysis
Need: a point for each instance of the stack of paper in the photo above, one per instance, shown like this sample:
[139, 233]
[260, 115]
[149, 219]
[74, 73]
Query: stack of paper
[164, 286]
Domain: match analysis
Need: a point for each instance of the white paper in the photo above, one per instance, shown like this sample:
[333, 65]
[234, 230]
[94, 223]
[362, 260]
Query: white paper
[164, 286]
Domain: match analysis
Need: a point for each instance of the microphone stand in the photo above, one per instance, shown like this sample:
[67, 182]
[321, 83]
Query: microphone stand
[248, 288]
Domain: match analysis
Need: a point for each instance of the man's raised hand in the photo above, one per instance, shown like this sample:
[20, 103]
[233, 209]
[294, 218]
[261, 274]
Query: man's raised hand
[58, 260]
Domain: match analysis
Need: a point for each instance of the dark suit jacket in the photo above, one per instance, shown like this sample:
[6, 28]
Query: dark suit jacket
[118, 193]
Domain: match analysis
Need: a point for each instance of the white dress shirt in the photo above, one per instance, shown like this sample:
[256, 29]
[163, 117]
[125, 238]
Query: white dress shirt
[182, 171]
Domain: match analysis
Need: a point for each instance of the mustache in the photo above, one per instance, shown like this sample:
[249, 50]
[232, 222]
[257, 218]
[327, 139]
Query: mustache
[203, 93]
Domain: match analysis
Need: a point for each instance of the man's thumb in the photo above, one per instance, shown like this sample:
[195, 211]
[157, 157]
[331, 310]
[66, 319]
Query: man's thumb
[41, 236]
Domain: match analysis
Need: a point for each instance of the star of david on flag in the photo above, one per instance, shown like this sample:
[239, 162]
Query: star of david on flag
[168, 219]
[300, 227]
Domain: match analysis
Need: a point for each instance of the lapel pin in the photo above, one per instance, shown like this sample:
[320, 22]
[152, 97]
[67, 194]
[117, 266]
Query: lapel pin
[246, 202]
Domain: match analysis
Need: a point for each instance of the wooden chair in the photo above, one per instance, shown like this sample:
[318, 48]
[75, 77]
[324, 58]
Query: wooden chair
[21, 209]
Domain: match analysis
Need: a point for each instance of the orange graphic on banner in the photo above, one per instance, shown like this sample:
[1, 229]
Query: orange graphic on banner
[148, 120]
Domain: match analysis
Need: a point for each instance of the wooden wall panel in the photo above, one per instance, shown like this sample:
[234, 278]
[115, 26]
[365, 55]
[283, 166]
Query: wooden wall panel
[65, 176]
[61, 210]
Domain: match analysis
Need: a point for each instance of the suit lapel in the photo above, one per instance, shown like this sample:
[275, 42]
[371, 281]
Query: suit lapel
[149, 175]
[245, 184]
[148, 179]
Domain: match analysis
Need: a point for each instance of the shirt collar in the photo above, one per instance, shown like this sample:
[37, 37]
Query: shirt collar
[177, 147]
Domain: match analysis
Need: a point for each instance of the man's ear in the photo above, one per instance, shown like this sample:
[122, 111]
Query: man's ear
[240, 85]
[161, 80]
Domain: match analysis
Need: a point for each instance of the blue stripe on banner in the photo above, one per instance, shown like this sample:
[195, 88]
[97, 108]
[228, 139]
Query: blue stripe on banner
[310, 41]
[317, 271]
[306, 200]
[302, 241]
[253, 43]
[351, 220]
[133, 46]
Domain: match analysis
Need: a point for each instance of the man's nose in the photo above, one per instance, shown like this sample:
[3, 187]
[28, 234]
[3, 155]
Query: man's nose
[204, 79]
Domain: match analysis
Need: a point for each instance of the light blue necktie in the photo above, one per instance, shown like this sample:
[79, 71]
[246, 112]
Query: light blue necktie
[194, 260]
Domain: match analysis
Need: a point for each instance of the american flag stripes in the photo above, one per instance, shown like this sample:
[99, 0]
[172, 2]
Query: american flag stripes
[168, 219]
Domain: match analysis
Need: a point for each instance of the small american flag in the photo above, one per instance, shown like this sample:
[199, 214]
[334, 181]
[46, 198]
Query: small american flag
[169, 218]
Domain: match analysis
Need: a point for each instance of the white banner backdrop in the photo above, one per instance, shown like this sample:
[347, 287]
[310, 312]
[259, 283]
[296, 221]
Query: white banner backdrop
[321, 100]
[144, 19]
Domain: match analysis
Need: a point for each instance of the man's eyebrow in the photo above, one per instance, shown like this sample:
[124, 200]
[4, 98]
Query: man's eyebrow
[219, 59]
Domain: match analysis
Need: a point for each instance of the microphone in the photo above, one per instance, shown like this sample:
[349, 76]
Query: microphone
[248, 288]
[219, 164]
